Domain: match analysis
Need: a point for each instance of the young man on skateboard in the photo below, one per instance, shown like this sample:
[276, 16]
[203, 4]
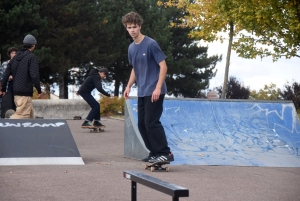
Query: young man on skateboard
[149, 72]
[93, 80]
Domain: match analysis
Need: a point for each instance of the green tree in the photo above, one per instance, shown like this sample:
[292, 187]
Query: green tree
[189, 67]
[291, 91]
[235, 90]
[78, 35]
[208, 19]
[274, 28]
[269, 92]
[17, 19]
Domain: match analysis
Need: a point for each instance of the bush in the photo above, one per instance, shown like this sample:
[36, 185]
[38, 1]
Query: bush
[111, 106]
[35, 95]
[45, 91]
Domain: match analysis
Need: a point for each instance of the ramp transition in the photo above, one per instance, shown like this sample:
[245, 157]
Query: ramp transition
[224, 132]
[37, 142]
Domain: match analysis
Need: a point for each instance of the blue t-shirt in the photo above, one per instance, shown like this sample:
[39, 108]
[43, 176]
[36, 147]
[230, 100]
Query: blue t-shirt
[145, 57]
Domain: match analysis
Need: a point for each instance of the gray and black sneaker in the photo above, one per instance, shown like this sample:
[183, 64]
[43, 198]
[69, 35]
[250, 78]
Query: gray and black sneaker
[167, 158]
[98, 124]
[86, 124]
[148, 158]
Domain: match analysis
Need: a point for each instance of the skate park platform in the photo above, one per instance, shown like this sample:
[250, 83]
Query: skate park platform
[37, 142]
[223, 132]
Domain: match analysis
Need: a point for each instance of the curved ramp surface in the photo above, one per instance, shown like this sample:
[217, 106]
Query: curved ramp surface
[230, 132]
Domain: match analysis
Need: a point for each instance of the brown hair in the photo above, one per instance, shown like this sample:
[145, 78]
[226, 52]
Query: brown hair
[132, 18]
[11, 49]
[103, 70]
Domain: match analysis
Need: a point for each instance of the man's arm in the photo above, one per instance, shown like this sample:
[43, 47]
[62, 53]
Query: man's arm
[35, 75]
[160, 82]
[130, 83]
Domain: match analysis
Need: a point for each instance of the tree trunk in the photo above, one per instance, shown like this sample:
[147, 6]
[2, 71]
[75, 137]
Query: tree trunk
[227, 61]
[117, 87]
[63, 85]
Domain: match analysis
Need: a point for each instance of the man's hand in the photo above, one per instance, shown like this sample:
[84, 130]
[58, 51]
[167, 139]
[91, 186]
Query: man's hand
[3, 93]
[155, 95]
[126, 93]
[40, 95]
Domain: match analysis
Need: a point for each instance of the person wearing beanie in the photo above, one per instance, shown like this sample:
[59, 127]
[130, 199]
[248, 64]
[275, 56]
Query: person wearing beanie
[25, 73]
[29, 39]
[93, 80]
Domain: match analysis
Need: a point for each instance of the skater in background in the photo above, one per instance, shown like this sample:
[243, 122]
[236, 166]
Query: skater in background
[149, 72]
[93, 80]
[7, 100]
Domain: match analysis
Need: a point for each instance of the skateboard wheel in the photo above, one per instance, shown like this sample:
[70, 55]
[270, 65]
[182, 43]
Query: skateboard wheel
[90, 131]
[152, 169]
[167, 169]
[146, 166]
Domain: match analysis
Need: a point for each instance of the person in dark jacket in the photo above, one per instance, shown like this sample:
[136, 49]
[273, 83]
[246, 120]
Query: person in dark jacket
[93, 80]
[8, 100]
[25, 72]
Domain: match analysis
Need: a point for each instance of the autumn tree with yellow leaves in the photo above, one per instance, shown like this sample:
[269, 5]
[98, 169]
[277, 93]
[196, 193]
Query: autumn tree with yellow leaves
[209, 18]
[272, 28]
[262, 27]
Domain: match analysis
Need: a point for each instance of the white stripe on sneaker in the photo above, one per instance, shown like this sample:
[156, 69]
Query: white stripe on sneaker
[162, 158]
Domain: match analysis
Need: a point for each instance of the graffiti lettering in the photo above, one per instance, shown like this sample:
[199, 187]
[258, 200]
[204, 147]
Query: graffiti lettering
[31, 125]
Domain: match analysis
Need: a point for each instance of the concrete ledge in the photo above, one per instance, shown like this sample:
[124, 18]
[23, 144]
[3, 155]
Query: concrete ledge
[61, 108]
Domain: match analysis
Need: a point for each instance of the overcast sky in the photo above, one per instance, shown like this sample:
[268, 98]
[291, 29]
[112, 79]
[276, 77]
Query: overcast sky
[253, 72]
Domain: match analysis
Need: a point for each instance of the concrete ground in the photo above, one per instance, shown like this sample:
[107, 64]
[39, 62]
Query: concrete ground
[101, 178]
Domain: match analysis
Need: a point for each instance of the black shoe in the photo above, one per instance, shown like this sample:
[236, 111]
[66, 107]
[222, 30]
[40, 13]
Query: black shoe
[168, 158]
[86, 124]
[148, 158]
[98, 124]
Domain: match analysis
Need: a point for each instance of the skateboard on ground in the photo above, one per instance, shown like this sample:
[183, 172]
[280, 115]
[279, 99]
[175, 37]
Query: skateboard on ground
[94, 129]
[9, 113]
[157, 166]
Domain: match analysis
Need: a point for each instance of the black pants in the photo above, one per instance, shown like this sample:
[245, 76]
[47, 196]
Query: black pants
[95, 111]
[7, 102]
[150, 127]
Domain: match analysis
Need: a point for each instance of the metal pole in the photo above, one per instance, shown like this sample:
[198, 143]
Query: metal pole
[133, 191]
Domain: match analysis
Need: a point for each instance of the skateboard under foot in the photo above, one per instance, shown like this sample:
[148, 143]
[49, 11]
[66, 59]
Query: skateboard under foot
[157, 166]
[95, 129]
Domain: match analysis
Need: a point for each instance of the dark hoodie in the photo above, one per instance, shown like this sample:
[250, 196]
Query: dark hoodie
[92, 81]
[25, 71]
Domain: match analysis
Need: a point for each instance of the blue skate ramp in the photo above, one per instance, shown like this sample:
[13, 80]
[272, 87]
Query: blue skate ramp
[229, 132]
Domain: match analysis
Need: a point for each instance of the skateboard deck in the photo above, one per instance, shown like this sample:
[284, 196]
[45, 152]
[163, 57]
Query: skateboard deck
[96, 129]
[157, 166]
[9, 113]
